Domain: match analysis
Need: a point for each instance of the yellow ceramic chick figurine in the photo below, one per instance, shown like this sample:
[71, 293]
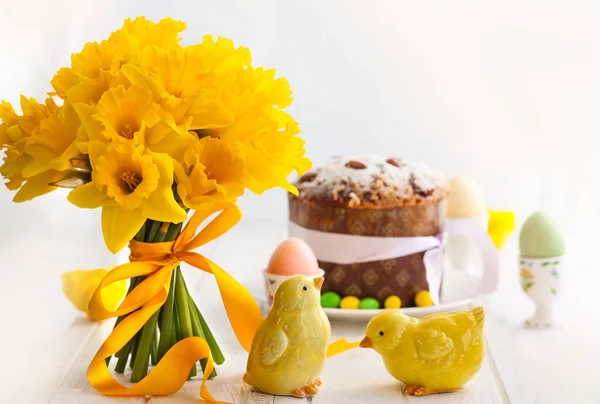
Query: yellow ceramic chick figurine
[289, 349]
[435, 354]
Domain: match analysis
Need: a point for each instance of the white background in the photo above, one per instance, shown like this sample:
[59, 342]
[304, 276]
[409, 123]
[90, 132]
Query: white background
[504, 92]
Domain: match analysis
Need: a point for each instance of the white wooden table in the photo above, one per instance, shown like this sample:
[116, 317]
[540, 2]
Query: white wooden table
[46, 344]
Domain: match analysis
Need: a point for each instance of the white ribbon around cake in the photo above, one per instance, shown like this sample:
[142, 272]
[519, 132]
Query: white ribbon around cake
[350, 249]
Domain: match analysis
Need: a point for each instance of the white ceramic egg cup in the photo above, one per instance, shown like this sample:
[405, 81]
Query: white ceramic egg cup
[541, 280]
[272, 282]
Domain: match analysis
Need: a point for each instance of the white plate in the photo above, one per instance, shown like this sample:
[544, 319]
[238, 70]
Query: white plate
[458, 293]
[459, 290]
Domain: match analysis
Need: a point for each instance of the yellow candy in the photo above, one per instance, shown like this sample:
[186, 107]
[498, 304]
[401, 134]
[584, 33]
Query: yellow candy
[423, 299]
[393, 302]
[350, 302]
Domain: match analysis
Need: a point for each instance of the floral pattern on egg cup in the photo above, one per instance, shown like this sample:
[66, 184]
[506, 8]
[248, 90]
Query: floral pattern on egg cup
[541, 280]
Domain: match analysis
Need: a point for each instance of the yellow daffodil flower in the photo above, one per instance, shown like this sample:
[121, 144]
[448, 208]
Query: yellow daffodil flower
[221, 56]
[126, 114]
[91, 73]
[131, 116]
[42, 157]
[131, 185]
[140, 33]
[267, 133]
[52, 144]
[137, 109]
[183, 86]
[9, 119]
[215, 174]
[186, 93]
[9, 135]
[122, 115]
[17, 160]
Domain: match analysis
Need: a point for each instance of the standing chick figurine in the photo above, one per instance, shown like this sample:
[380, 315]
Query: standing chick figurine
[289, 349]
[435, 354]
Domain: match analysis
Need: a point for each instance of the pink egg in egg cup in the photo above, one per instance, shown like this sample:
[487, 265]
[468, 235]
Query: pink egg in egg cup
[292, 257]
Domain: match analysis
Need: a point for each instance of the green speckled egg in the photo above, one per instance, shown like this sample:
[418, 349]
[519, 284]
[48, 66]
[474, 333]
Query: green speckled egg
[330, 300]
[541, 237]
[369, 303]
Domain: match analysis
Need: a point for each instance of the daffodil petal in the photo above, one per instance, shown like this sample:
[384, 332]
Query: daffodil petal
[119, 226]
[88, 196]
[289, 187]
[64, 79]
[93, 128]
[139, 77]
[174, 144]
[96, 150]
[34, 168]
[161, 205]
[37, 185]
[209, 115]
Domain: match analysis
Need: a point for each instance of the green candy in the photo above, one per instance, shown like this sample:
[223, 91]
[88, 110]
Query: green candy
[369, 303]
[330, 300]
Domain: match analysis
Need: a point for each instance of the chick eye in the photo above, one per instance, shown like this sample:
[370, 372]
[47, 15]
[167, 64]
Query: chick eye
[304, 288]
[381, 333]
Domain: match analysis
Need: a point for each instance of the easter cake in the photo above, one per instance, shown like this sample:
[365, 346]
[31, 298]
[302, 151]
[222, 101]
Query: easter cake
[379, 197]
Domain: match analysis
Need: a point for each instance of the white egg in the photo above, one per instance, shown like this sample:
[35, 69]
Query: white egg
[465, 200]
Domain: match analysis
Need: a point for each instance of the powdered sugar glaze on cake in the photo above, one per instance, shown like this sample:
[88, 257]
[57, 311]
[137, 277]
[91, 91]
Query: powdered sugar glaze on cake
[372, 181]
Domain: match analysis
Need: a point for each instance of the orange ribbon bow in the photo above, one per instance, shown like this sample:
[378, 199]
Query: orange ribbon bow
[157, 261]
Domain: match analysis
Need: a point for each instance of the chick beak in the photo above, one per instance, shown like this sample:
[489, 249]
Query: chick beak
[366, 343]
[319, 282]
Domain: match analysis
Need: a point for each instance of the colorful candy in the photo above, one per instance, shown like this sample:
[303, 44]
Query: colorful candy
[423, 299]
[392, 302]
[330, 300]
[350, 302]
[369, 303]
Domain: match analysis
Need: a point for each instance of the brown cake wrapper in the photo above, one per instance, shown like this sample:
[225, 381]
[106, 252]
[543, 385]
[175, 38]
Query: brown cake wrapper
[402, 276]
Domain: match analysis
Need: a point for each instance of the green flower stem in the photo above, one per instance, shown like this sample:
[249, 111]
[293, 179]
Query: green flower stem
[183, 311]
[205, 332]
[140, 366]
[185, 321]
[197, 329]
[134, 347]
[210, 339]
[145, 341]
[176, 335]
[154, 348]
[177, 319]
[152, 232]
[173, 232]
[141, 234]
[122, 362]
[166, 323]
[139, 237]
[197, 332]
[162, 233]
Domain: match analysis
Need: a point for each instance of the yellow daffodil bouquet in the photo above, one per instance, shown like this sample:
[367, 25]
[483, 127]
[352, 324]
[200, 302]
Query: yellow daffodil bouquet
[154, 132]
